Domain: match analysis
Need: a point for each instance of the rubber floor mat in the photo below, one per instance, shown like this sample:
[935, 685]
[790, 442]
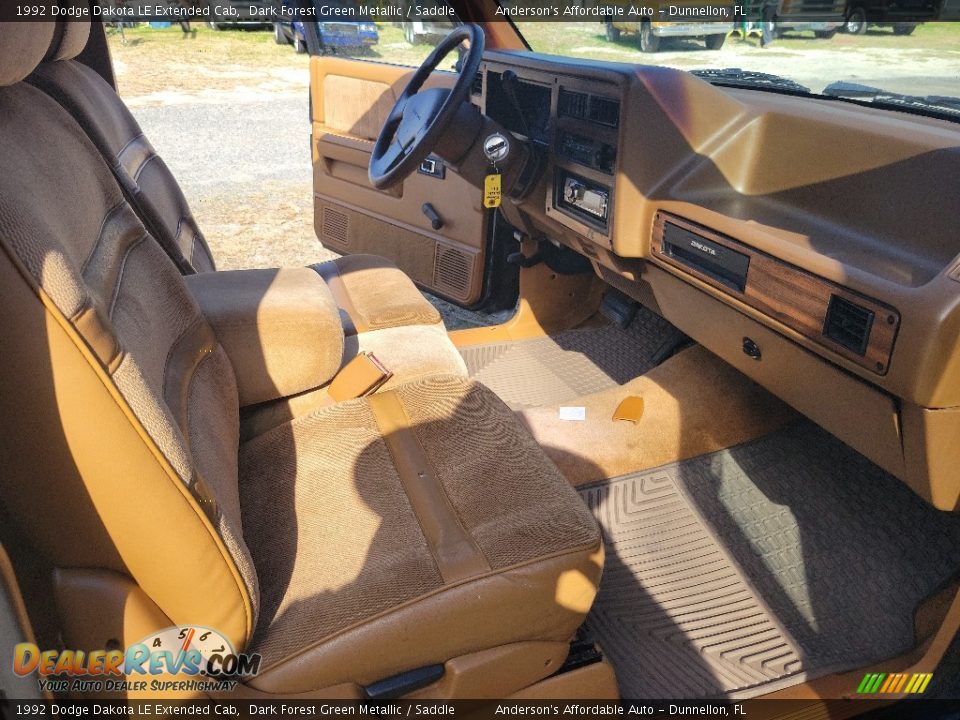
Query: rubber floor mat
[762, 565]
[561, 367]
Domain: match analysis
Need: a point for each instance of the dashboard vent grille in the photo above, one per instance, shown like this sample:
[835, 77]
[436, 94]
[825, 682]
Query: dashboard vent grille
[573, 104]
[594, 108]
[848, 324]
[605, 111]
[476, 87]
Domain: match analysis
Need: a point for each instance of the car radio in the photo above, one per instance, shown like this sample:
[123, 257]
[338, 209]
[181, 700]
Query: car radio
[587, 151]
[583, 198]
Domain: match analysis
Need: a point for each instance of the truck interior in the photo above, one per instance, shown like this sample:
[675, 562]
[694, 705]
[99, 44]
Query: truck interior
[713, 452]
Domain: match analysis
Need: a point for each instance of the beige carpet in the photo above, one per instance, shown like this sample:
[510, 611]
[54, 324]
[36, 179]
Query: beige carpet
[694, 403]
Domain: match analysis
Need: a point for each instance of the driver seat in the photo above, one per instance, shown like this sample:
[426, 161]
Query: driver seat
[373, 294]
[416, 529]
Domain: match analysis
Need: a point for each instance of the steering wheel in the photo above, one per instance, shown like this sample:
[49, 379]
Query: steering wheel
[419, 118]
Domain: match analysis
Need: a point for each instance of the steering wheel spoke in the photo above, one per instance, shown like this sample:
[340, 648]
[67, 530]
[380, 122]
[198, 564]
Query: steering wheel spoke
[419, 117]
[394, 155]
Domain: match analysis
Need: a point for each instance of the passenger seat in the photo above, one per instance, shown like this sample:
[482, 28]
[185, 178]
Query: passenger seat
[391, 535]
[372, 292]
[381, 310]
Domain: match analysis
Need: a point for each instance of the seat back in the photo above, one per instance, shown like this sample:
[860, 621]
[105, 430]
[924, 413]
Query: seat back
[146, 180]
[119, 432]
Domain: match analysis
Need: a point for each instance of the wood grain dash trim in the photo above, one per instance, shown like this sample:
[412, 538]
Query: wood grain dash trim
[793, 297]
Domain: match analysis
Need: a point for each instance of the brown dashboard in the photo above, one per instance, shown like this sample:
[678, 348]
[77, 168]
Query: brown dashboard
[813, 244]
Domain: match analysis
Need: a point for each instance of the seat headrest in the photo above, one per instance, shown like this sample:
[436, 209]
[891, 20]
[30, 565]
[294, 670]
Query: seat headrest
[70, 38]
[22, 47]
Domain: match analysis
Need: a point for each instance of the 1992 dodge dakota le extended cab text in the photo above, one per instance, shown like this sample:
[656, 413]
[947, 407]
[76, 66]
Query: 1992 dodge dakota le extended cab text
[711, 455]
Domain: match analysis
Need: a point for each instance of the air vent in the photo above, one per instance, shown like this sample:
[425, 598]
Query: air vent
[452, 271]
[594, 108]
[573, 104]
[848, 324]
[335, 226]
[476, 87]
[605, 111]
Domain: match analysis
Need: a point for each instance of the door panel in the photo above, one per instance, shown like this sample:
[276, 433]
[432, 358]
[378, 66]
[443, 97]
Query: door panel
[351, 99]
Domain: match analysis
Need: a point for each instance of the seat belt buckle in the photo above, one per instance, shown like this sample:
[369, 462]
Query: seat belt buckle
[362, 376]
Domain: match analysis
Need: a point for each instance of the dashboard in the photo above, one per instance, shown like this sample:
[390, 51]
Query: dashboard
[811, 243]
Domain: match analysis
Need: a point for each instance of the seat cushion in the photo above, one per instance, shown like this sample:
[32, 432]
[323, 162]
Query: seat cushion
[410, 352]
[406, 529]
[374, 294]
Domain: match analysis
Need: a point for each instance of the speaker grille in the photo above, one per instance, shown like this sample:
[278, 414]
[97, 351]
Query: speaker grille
[452, 270]
[335, 226]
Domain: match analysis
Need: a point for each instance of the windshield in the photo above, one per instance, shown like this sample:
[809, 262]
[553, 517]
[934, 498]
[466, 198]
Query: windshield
[907, 64]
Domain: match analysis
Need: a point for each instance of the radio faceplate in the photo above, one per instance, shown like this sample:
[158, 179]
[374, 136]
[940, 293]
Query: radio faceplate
[582, 199]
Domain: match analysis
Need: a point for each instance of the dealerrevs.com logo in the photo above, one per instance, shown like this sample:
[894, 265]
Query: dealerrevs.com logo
[179, 658]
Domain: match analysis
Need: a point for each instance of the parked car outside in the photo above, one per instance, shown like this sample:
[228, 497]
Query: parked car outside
[242, 13]
[340, 36]
[823, 17]
[649, 33]
[901, 15]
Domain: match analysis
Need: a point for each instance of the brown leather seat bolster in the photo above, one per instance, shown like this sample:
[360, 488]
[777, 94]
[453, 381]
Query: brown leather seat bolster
[375, 294]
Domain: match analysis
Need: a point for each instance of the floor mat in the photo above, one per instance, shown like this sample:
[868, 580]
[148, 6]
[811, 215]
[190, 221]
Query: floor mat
[764, 564]
[558, 368]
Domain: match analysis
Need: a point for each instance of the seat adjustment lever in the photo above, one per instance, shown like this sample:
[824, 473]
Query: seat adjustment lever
[404, 683]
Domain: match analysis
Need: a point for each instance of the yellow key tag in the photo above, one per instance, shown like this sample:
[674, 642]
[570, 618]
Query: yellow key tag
[491, 191]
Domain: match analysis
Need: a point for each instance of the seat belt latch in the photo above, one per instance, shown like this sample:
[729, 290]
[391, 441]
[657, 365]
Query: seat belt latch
[360, 377]
[631, 408]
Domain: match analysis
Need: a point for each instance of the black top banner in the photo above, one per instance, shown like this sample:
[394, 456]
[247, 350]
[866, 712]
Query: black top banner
[486, 709]
[269, 11]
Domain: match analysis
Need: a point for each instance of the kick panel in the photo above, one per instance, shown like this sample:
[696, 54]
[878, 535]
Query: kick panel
[857, 327]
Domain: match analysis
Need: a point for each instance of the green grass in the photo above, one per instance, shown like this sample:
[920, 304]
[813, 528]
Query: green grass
[163, 59]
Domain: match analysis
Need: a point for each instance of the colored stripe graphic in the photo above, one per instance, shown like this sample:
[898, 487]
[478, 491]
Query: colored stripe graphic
[901, 683]
[894, 683]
